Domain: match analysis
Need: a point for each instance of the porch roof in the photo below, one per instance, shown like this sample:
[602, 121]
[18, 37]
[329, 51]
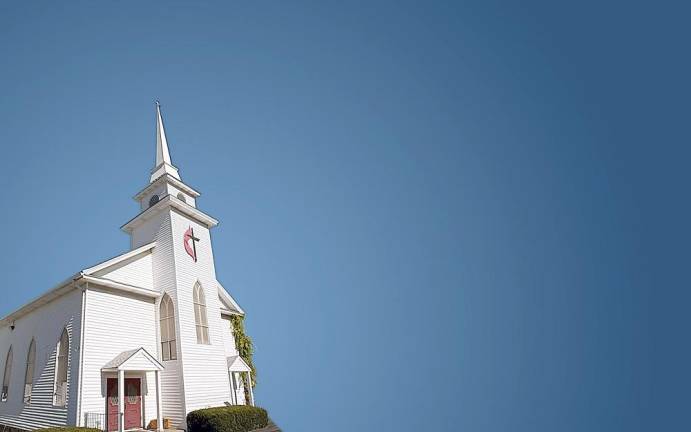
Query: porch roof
[237, 364]
[137, 359]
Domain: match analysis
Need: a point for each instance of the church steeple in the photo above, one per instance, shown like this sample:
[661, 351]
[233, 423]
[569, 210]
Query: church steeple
[165, 192]
[164, 165]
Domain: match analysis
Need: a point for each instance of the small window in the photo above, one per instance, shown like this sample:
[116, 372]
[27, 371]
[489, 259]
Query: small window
[6, 377]
[181, 197]
[154, 199]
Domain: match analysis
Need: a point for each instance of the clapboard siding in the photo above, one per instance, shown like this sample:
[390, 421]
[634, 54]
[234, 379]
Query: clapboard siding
[173, 407]
[204, 366]
[172, 385]
[45, 325]
[115, 322]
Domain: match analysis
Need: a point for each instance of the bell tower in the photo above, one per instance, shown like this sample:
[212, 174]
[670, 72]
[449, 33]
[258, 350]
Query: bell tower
[184, 271]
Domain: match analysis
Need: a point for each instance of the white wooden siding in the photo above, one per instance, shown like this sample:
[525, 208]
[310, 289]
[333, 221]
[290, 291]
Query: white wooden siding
[115, 322]
[45, 325]
[172, 385]
[173, 403]
[204, 366]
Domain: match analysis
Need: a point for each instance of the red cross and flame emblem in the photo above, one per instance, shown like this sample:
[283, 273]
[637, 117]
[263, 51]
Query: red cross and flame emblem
[190, 238]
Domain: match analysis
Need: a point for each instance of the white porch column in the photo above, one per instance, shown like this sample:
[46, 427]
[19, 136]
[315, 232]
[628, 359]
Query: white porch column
[249, 381]
[121, 400]
[233, 392]
[159, 405]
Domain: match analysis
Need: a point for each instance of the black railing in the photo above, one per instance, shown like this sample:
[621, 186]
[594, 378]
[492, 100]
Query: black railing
[95, 420]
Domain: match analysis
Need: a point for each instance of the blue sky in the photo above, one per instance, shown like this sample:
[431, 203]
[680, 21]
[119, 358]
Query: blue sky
[439, 216]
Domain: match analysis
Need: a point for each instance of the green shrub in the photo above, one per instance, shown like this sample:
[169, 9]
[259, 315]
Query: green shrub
[239, 418]
[68, 429]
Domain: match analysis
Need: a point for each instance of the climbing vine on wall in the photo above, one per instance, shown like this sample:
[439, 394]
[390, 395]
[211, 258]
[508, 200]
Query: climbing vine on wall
[243, 344]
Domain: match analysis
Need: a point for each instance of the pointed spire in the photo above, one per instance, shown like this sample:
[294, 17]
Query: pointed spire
[162, 153]
[163, 163]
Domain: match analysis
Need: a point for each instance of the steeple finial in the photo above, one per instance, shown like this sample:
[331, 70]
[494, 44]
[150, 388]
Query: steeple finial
[163, 163]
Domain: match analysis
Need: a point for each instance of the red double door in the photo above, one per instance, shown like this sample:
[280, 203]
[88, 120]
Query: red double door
[133, 403]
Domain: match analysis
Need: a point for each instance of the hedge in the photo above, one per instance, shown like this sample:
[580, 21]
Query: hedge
[238, 418]
[68, 429]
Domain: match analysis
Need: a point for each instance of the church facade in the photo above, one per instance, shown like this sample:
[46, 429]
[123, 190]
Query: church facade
[143, 336]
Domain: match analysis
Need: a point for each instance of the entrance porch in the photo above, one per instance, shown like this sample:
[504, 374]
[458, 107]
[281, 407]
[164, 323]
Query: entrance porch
[125, 382]
[236, 367]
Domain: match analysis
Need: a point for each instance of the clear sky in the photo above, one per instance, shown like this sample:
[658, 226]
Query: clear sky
[438, 216]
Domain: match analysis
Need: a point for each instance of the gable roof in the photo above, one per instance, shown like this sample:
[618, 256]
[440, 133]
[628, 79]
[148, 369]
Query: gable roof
[95, 275]
[134, 359]
[237, 364]
[87, 275]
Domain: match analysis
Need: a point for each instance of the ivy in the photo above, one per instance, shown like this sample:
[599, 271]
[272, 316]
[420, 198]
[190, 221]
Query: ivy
[243, 344]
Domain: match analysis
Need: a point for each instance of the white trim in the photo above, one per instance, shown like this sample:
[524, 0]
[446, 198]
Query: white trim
[170, 201]
[73, 282]
[237, 364]
[227, 297]
[155, 364]
[59, 290]
[172, 180]
[80, 382]
[229, 313]
[121, 286]
[159, 402]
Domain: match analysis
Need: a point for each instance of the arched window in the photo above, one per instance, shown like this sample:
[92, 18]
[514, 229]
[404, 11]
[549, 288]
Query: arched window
[167, 318]
[29, 375]
[200, 315]
[181, 197]
[61, 359]
[6, 377]
[154, 199]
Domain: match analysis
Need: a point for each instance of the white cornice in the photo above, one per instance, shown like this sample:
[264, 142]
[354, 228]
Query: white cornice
[166, 202]
[45, 298]
[121, 286]
[225, 295]
[71, 283]
[166, 178]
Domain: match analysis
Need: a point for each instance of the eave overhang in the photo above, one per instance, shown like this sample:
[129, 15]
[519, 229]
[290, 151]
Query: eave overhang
[59, 290]
[225, 295]
[169, 179]
[170, 201]
[237, 364]
[69, 284]
[119, 286]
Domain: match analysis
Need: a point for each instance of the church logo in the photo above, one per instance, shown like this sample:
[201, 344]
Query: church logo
[190, 238]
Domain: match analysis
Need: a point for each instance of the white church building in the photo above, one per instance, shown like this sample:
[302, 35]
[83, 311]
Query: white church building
[143, 336]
